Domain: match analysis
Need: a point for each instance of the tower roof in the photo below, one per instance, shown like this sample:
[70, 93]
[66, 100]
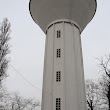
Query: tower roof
[44, 12]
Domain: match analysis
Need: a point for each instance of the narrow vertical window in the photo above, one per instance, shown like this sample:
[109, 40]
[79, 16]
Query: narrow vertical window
[58, 76]
[58, 103]
[58, 53]
[58, 34]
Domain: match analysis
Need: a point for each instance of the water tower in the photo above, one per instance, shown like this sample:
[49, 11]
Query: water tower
[63, 21]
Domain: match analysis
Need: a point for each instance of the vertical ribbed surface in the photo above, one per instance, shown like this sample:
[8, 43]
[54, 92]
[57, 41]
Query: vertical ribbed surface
[71, 88]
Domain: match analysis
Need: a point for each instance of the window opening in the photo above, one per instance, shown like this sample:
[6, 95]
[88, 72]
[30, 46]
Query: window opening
[58, 53]
[58, 103]
[58, 76]
[58, 34]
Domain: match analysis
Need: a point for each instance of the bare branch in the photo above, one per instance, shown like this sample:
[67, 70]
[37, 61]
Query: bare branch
[4, 48]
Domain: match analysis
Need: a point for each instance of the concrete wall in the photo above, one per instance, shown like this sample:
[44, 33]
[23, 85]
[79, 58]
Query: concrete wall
[71, 88]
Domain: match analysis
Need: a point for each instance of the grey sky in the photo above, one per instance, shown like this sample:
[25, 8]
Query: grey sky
[28, 44]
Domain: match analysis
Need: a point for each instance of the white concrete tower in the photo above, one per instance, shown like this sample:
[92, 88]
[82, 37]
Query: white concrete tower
[63, 21]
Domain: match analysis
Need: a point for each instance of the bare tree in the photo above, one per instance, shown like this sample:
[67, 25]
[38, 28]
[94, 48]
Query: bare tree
[13, 101]
[4, 47]
[92, 95]
[104, 64]
[20, 103]
[4, 97]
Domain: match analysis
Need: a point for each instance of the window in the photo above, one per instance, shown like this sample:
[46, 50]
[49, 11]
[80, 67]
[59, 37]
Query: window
[58, 103]
[58, 76]
[58, 53]
[58, 34]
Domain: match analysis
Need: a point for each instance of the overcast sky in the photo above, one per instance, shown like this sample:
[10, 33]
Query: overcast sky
[28, 43]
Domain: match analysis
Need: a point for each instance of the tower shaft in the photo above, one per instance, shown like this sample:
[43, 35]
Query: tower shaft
[63, 80]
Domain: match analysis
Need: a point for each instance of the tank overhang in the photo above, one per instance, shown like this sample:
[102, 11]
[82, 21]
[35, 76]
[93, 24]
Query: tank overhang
[44, 12]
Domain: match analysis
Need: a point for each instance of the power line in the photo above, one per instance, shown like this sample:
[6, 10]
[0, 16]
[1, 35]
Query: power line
[28, 81]
[25, 79]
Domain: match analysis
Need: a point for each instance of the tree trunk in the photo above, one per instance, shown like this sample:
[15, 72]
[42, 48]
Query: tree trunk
[109, 96]
[91, 107]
